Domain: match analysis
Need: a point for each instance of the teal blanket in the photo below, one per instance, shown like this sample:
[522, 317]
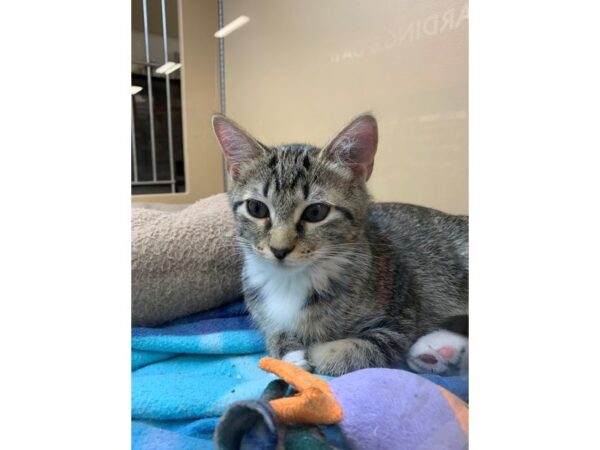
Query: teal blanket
[185, 374]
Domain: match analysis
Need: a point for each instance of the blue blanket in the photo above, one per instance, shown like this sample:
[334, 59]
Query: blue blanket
[186, 373]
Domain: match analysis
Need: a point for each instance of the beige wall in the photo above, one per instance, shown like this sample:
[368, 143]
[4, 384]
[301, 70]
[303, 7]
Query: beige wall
[300, 69]
[200, 99]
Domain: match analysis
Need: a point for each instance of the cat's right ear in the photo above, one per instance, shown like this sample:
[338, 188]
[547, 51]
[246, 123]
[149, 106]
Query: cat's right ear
[355, 146]
[237, 145]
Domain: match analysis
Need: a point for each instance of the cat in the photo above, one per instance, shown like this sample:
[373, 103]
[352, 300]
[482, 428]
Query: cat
[335, 281]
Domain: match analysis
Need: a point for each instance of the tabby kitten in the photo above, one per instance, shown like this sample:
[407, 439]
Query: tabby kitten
[334, 281]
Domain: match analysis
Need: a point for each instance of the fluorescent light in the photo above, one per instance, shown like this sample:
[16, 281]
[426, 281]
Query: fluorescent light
[136, 89]
[232, 26]
[168, 67]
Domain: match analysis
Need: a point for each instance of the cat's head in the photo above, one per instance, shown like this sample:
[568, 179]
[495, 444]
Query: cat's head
[296, 203]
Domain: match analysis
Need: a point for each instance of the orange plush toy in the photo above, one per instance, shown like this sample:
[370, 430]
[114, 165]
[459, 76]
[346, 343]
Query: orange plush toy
[313, 404]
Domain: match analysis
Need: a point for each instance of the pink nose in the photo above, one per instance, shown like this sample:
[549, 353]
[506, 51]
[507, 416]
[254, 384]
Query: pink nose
[427, 358]
[446, 352]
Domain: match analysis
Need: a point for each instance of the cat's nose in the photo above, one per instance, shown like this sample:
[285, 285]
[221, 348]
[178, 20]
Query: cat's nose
[281, 253]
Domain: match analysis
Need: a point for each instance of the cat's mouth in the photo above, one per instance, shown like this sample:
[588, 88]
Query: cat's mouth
[289, 263]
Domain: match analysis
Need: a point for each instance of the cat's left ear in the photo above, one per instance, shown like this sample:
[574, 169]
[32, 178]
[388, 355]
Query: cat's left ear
[238, 146]
[355, 147]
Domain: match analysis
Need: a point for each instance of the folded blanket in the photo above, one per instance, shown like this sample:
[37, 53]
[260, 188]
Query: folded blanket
[185, 375]
[188, 257]
[195, 367]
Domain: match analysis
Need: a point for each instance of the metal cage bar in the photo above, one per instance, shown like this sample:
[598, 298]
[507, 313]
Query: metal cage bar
[133, 143]
[222, 81]
[168, 86]
[152, 183]
[150, 98]
[156, 147]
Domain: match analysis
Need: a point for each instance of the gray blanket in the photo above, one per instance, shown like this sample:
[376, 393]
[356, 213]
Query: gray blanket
[182, 262]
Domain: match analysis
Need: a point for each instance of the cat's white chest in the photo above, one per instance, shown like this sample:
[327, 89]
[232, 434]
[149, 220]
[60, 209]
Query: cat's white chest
[283, 292]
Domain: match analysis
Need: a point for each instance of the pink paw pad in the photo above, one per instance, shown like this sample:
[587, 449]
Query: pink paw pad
[446, 352]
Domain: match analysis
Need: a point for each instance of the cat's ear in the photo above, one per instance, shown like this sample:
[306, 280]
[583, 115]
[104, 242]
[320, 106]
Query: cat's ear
[237, 145]
[355, 147]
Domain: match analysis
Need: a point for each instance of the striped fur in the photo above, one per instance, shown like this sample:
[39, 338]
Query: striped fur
[359, 287]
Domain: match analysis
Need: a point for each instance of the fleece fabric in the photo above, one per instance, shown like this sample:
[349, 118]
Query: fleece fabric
[390, 409]
[196, 366]
[182, 262]
[417, 415]
[186, 374]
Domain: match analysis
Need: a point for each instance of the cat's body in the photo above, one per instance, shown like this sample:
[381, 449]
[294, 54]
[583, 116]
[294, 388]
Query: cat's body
[397, 287]
[335, 282]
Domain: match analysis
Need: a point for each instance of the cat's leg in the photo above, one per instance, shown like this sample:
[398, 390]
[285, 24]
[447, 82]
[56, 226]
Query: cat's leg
[441, 352]
[375, 348]
[284, 346]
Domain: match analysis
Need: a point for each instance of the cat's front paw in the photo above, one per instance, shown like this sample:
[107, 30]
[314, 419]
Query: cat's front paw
[338, 357]
[298, 358]
[441, 352]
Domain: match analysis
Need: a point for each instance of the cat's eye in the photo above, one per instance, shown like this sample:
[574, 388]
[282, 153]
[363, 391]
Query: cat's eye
[316, 212]
[257, 209]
